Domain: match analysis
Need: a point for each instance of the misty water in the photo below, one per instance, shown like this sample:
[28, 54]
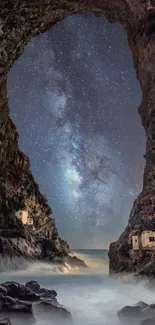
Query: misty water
[90, 295]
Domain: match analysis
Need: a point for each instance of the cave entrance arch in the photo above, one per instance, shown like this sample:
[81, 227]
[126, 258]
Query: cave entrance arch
[20, 21]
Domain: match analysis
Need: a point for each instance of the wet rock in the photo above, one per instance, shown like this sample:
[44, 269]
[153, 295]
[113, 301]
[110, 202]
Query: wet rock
[149, 311]
[22, 318]
[48, 308]
[141, 304]
[130, 312]
[5, 321]
[18, 308]
[28, 296]
[53, 293]
[13, 305]
[13, 288]
[34, 286]
[16, 290]
[41, 292]
[9, 304]
[148, 321]
[45, 293]
[3, 290]
[6, 300]
[140, 313]
[75, 261]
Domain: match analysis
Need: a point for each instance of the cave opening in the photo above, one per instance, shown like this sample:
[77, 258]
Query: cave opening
[74, 96]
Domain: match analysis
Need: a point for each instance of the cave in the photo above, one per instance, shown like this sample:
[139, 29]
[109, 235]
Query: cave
[20, 21]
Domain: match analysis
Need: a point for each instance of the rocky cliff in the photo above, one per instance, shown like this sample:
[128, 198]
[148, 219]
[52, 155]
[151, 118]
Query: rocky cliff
[19, 191]
[20, 20]
[142, 216]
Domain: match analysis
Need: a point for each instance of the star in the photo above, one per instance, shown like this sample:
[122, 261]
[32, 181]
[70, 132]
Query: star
[74, 98]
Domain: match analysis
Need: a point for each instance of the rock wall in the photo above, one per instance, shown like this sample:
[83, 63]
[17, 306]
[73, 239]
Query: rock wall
[20, 20]
[142, 216]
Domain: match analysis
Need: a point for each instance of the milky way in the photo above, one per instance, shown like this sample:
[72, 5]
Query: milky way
[74, 98]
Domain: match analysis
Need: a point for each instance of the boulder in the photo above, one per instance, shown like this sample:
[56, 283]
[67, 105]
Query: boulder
[18, 307]
[3, 290]
[130, 312]
[74, 261]
[19, 304]
[6, 300]
[9, 304]
[52, 293]
[141, 304]
[42, 292]
[45, 293]
[13, 288]
[17, 290]
[22, 318]
[148, 321]
[34, 286]
[5, 321]
[140, 312]
[48, 308]
[149, 312]
[28, 296]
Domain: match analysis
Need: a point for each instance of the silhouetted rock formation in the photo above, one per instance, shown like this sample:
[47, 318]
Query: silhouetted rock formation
[23, 301]
[141, 313]
[5, 321]
[19, 22]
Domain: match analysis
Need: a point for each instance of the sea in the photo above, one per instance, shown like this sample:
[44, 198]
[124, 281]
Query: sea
[92, 297]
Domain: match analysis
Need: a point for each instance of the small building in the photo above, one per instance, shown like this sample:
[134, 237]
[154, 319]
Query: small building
[144, 241]
[24, 217]
[148, 239]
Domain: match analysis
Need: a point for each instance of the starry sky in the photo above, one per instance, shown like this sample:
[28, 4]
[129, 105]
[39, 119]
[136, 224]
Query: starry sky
[74, 98]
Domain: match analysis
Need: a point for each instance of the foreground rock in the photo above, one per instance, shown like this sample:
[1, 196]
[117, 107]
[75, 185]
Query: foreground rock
[21, 302]
[17, 290]
[5, 321]
[149, 321]
[141, 313]
[42, 293]
[57, 312]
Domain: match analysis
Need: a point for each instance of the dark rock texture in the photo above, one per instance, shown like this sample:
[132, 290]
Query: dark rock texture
[23, 302]
[148, 321]
[147, 271]
[19, 22]
[46, 307]
[141, 313]
[5, 321]
[42, 293]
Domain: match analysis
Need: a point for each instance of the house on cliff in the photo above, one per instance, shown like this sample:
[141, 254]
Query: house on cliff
[146, 240]
[24, 217]
[43, 230]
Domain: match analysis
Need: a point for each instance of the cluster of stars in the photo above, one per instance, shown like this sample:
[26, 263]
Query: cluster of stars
[74, 97]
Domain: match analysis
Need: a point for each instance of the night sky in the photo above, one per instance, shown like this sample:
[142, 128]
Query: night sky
[74, 98]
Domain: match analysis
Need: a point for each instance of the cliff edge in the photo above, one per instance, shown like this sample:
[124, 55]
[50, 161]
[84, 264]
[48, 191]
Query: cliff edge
[38, 238]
